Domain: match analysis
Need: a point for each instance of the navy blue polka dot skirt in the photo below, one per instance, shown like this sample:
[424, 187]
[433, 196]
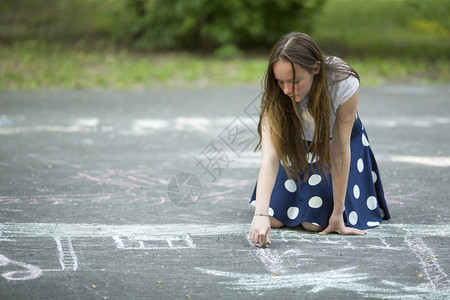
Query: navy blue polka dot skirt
[312, 200]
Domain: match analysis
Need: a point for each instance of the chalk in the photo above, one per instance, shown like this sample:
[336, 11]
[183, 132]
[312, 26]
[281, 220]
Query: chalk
[154, 242]
[270, 259]
[343, 279]
[264, 245]
[31, 271]
[347, 279]
[67, 258]
[431, 268]
[13, 230]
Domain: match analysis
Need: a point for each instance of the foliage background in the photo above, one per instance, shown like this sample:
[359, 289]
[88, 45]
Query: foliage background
[85, 44]
[224, 27]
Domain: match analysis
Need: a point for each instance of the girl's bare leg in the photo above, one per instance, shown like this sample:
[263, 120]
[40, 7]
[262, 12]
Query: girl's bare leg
[274, 223]
[311, 227]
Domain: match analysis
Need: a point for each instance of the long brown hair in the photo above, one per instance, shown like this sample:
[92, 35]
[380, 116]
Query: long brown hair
[281, 112]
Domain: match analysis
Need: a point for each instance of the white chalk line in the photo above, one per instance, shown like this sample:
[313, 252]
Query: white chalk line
[336, 279]
[12, 230]
[31, 271]
[271, 260]
[349, 279]
[145, 126]
[67, 257]
[346, 279]
[154, 242]
[435, 274]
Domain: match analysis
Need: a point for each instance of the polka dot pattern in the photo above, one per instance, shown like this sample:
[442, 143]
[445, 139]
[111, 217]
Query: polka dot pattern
[314, 179]
[372, 203]
[373, 223]
[311, 199]
[353, 218]
[292, 212]
[288, 162]
[315, 202]
[290, 185]
[374, 177]
[360, 165]
[310, 159]
[365, 142]
[356, 191]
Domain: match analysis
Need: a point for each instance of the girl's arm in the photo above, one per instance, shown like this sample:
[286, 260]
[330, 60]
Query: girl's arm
[340, 159]
[260, 227]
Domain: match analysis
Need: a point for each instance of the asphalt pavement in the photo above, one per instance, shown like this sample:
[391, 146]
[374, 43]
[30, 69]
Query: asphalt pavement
[144, 195]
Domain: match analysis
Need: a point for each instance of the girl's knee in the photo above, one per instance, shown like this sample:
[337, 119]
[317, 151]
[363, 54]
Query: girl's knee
[274, 223]
[311, 227]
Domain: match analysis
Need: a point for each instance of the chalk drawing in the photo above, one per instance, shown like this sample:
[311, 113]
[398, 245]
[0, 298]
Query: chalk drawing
[270, 259]
[67, 257]
[20, 230]
[347, 279]
[154, 242]
[31, 271]
[430, 263]
[132, 179]
[397, 195]
[343, 279]
[385, 246]
[227, 189]
[129, 197]
[288, 275]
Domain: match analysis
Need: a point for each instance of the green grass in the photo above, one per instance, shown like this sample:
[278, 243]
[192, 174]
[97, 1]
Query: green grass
[377, 71]
[399, 28]
[68, 45]
[38, 65]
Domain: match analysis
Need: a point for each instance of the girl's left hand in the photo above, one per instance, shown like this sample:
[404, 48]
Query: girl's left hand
[336, 224]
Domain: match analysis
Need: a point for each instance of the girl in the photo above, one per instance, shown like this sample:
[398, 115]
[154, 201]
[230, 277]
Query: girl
[317, 167]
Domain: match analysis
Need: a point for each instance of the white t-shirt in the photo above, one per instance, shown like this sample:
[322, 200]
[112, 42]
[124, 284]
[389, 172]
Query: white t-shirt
[340, 92]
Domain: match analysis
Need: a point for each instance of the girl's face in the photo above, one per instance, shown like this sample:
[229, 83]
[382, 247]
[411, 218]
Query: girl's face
[302, 83]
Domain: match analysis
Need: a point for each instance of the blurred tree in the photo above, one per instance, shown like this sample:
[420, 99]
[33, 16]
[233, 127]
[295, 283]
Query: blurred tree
[214, 25]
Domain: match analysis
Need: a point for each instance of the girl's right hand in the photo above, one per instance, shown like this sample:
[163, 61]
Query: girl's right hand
[260, 230]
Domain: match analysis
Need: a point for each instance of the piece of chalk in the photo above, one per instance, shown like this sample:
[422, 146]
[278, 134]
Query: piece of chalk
[264, 245]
